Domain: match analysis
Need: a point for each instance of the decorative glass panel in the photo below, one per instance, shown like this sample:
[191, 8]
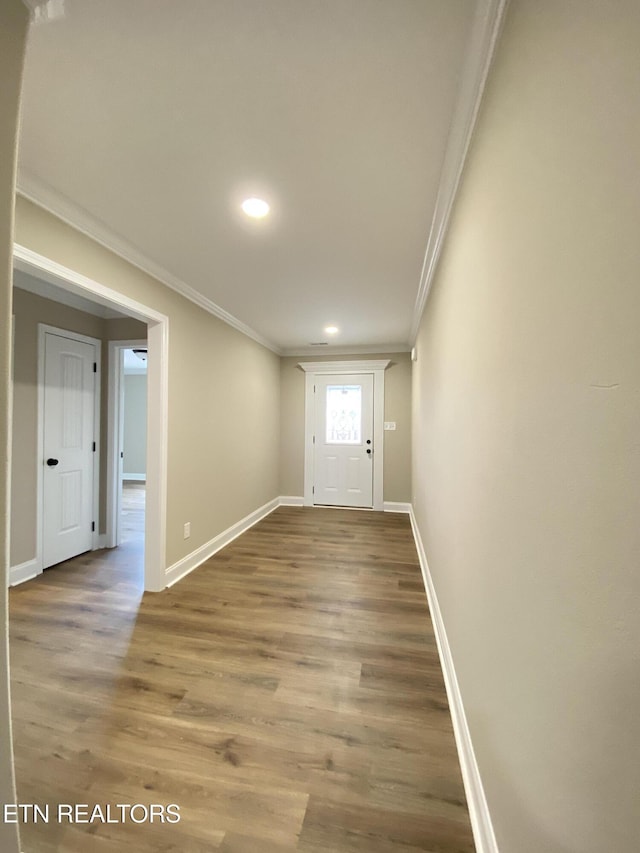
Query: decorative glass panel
[344, 414]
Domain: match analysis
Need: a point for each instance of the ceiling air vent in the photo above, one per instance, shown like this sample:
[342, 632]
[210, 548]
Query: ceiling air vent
[318, 344]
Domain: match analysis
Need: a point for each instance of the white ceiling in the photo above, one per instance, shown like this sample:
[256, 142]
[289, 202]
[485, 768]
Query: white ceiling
[132, 363]
[151, 120]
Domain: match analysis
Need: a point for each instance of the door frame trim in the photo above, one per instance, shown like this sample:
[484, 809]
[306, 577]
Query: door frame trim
[45, 329]
[157, 395]
[313, 369]
[114, 415]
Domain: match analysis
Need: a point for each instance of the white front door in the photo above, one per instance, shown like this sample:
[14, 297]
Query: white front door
[68, 448]
[343, 447]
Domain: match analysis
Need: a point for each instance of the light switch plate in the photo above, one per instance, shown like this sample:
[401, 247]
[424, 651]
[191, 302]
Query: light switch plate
[389, 424]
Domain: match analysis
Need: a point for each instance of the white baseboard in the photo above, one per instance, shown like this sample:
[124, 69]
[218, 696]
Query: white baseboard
[290, 500]
[138, 477]
[24, 572]
[395, 506]
[483, 834]
[187, 564]
[388, 506]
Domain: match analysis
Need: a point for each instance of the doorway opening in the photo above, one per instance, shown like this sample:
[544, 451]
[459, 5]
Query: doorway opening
[78, 293]
[127, 443]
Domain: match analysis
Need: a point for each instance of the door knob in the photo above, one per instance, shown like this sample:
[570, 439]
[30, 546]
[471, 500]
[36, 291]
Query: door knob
[52, 462]
[368, 450]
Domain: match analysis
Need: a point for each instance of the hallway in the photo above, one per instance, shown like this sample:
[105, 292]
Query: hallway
[287, 695]
[132, 517]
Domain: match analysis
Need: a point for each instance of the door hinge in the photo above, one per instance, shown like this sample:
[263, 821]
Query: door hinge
[314, 439]
[94, 447]
[313, 490]
[95, 367]
[93, 527]
[122, 454]
[314, 389]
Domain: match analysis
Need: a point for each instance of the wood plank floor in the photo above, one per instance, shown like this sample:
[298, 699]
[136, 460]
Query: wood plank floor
[286, 695]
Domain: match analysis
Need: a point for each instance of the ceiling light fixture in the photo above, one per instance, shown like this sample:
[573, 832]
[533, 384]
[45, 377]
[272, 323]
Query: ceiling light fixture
[331, 330]
[256, 208]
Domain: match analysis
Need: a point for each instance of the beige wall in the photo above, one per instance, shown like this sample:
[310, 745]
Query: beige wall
[125, 329]
[224, 393]
[30, 310]
[13, 33]
[397, 407]
[526, 470]
[135, 424]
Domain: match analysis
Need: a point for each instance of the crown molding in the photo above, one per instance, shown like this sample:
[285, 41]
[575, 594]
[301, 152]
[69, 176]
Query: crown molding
[485, 32]
[360, 366]
[46, 197]
[324, 352]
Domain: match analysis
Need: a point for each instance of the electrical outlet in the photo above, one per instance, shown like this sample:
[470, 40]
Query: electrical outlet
[389, 424]
[187, 529]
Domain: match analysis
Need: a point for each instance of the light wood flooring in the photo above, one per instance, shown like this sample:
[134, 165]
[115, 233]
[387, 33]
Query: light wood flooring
[286, 695]
[130, 552]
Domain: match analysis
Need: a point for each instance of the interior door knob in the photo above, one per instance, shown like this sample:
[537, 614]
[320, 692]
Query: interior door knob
[52, 462]
[368, 450]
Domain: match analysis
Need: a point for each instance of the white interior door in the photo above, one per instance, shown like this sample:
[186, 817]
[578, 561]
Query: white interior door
[69, 388]
[343, 446]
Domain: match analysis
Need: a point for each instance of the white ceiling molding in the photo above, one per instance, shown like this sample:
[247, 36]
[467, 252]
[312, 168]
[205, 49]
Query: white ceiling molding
[47, 290]
[343, 366]
[39, 266]
[486, 29]
[331, 350]
[46, 197]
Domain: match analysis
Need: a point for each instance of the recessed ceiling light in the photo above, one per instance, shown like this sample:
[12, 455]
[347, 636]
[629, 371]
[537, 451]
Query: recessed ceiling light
[331, 330]
[256, 208]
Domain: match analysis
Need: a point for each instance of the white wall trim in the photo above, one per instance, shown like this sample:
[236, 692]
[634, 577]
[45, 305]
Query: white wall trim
[357, 366]
[136, 477]
[42, 267]
[24, 572]
[388, 506]
[397, 506]
[35, 190]
[313, 369]
[290, 500]
[330, 350]
[9, 420]
[483, 834]
[157, 394]
[486, 29]
[187, 564]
